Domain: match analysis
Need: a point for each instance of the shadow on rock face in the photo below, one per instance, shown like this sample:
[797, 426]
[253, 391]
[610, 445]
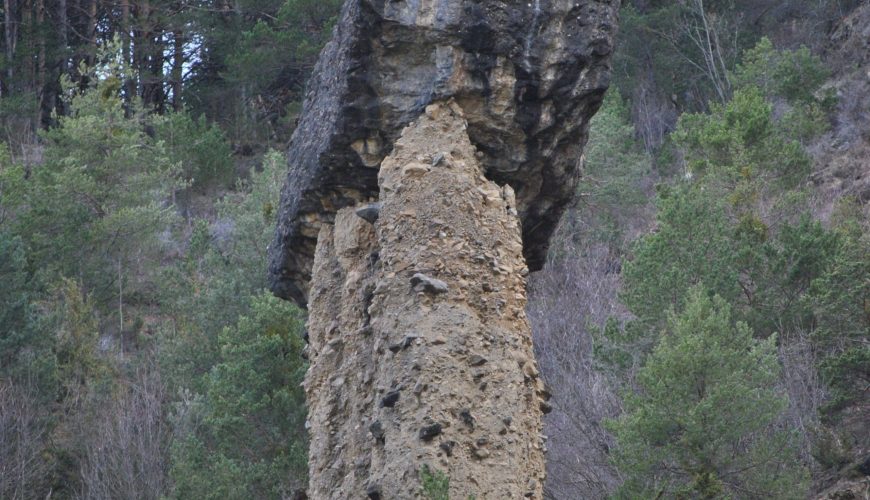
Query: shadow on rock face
[529, 76]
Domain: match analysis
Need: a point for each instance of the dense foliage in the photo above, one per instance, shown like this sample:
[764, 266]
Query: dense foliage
[121, 315]
[698, 428]
[736, 226]
[243, 64]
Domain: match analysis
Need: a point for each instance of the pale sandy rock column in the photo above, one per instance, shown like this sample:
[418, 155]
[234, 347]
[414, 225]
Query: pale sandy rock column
[421, 353]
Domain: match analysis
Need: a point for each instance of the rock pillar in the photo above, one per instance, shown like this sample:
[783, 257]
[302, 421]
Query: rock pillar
[421, 353]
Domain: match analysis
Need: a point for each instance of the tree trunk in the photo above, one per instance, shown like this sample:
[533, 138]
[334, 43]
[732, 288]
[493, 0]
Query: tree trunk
[92, 31]
[150, 58]
[62, 26]
[138, 51]
[62, 64]
[40, 62]
[155, 70]
[177, 69]
[28, 73]
[409, 372]
[9, 31]
[126, 46]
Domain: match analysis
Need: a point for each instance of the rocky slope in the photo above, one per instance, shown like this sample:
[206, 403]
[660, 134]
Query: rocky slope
[529, 76]
[421, 353]
[841, 156]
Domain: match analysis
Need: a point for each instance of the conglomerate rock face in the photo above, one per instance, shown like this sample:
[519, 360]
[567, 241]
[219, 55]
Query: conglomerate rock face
[529, 75]
[421, 353]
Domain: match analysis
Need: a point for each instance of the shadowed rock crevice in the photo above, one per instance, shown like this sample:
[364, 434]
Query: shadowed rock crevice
[529, 76]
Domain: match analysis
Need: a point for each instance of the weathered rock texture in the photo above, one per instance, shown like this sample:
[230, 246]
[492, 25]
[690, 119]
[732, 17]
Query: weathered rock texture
[420, 349]
[529, 75]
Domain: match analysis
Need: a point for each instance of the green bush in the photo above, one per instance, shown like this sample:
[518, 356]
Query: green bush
[245, 437]
[26, 344]
[700, 425]
[436, 485]
[739, 144]
[200, 148]
[94, 208]
[839, 298]
[615, 164]
[794, 75]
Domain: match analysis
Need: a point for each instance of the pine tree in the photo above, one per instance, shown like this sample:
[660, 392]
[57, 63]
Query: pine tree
[245, 436]
[701, 425]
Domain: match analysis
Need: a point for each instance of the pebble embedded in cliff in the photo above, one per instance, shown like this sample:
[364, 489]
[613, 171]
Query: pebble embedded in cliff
[531, 486]
[437, 159]
[419, 387]
[373, 492]
[390, 399]
[404, 344]
[429, 432]
[423, 283]
[546, 407]
[476, 360]
[467, 418]
[447, 447]
[369, 212]
[377, 430]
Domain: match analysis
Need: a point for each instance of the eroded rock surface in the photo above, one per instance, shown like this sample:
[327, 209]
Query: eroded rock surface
[420, 350]
[529, 75]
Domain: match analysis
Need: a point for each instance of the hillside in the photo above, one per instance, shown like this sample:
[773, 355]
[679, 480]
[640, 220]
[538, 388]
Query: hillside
[580, 305]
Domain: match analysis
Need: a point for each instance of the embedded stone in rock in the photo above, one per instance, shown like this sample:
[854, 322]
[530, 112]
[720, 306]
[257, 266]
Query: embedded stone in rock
[369, 212]
[528, 75]
[476, 360]
[467, 418]
[429, 432]
[390, 399]
[377, 430]
[544, 392]
[373, 492]
[423, 283]
[404, 344]
[447, 447]
[546, 407]
[414, 169]
[437, 159]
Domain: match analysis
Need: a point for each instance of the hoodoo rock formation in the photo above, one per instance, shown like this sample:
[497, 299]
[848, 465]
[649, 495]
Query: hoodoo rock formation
[421, 353]
[438, 146]
[529, 75]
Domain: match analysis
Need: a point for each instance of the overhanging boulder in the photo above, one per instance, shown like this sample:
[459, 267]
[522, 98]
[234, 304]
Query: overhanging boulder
[529, 76]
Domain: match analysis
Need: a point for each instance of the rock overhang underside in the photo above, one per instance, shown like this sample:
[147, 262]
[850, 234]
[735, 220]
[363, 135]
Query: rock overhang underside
[528, 75]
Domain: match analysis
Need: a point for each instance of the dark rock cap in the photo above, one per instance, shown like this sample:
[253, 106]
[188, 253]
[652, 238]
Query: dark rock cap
[529, 76]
